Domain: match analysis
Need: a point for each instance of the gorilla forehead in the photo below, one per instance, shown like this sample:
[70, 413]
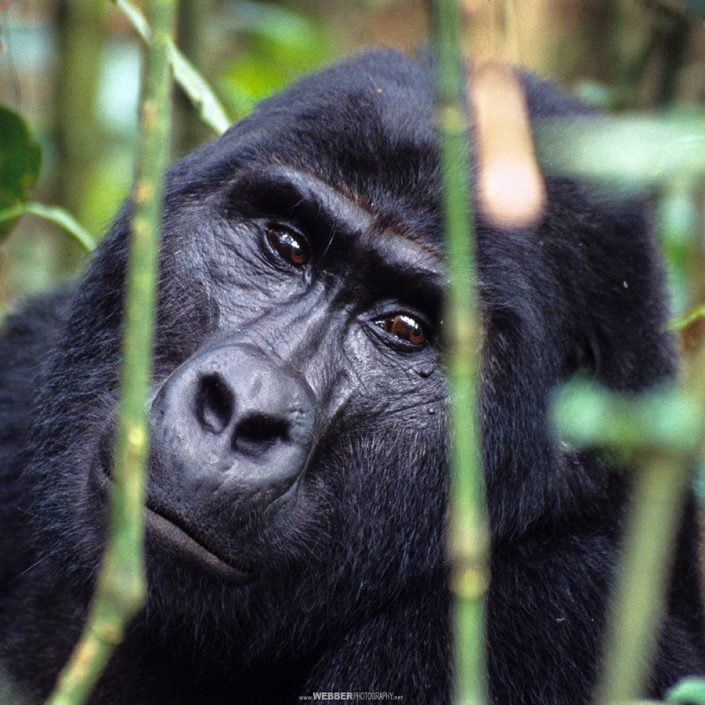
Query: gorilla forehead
[364, 126]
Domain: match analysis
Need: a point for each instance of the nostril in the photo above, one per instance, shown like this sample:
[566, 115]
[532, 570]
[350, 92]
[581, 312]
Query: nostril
[257, 433]
[214, 403]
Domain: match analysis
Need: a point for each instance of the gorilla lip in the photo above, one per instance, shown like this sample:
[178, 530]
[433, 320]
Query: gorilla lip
[168, 532]
[173, 536]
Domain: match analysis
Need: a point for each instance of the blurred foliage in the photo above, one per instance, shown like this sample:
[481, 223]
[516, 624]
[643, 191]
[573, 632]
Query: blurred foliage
[204, 101]
[279, 44]
[588, 415]
[689, 690]
[628, 152]
[20, 157]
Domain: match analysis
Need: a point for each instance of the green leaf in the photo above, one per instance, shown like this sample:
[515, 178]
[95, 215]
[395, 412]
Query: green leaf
[628, 151]
[588, 414]
[690, 690]
[56, 215]
[20, 158]
[199, 92]
[201, 95]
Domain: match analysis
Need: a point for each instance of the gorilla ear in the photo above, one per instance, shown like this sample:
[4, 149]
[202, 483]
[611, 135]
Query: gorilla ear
[628, 304]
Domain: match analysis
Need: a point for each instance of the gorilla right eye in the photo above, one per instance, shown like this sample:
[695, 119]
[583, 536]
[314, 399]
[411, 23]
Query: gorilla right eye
[404, 327]
[288, 244]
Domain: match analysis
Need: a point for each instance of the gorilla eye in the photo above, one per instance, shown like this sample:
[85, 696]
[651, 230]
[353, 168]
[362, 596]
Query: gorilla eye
[402, 326]
[288, 244]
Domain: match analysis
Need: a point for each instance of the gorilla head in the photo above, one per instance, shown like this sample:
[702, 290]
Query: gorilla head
[296, 500]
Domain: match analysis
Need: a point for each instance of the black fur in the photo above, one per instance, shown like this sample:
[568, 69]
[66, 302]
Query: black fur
[350, 584]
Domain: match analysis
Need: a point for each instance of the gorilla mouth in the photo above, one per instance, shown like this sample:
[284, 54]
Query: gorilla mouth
[170, 531]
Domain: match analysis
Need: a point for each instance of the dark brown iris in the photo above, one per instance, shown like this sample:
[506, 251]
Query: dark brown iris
[288, 244]
[405, 327]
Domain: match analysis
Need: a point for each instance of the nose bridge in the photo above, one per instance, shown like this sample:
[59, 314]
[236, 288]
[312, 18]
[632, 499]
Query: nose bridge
[294, 331]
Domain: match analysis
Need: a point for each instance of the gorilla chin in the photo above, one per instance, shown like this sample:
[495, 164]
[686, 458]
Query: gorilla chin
[297, 484]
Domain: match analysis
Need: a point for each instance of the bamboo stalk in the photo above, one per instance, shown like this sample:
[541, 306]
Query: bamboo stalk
[121, 586]
[469, 535]
[639, 601]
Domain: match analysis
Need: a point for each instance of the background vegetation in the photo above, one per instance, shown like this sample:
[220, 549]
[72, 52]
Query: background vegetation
[71, 68]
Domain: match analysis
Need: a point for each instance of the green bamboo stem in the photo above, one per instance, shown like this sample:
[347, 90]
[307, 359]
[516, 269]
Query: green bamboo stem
[121, 585]
[640, 596]
[469, 535]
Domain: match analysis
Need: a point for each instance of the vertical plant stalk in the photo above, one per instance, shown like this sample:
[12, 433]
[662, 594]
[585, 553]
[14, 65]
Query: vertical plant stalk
[81, 35]
[638, 604]
[468, 524]
[121, 585]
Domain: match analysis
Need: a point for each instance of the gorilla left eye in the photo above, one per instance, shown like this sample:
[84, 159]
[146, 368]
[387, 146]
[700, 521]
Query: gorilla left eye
[289, 245]
[404, 327]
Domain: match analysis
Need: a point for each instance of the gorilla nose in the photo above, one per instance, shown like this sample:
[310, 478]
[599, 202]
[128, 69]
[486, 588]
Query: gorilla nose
[251, 431]
[233, 416]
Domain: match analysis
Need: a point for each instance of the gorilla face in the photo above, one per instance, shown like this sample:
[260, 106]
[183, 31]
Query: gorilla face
[298, 406]
[325, 331]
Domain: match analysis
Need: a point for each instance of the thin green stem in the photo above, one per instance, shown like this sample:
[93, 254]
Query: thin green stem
[121, 588]
[640, 595]
[192, 83]
[469, 535]
[638, 605]
[56, 215]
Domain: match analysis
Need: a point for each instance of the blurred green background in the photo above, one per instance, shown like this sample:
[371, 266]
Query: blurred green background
[71, 69]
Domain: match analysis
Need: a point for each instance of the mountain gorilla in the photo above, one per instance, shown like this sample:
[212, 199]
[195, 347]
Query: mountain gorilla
[296, 503]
